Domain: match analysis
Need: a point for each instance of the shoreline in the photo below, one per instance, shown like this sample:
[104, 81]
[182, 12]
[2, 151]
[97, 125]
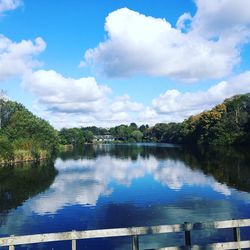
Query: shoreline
[16, 162]
[31, 159]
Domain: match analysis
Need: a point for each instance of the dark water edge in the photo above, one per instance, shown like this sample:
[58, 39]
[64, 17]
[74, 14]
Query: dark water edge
[22, 181]
[146, 198]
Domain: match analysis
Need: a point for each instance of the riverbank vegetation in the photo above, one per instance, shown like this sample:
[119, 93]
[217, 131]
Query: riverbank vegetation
[23, 136]
[226, 124]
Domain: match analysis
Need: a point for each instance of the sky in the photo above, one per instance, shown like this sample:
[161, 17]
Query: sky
[108, 62]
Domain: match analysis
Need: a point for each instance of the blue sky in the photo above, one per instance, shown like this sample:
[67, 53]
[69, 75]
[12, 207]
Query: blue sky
[95, 62]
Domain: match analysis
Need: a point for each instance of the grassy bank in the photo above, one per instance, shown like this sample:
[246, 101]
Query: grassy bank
[21, 155]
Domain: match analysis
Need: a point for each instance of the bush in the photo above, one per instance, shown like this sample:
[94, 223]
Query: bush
[6, 149]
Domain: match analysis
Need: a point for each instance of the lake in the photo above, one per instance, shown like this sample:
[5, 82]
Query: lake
[110, 186]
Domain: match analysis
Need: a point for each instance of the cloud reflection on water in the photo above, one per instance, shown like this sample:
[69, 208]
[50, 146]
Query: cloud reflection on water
[83, 181]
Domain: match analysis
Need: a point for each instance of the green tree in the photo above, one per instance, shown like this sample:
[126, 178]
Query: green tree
[23, 131]
[88, 135]
[7, 151]
[137, 135]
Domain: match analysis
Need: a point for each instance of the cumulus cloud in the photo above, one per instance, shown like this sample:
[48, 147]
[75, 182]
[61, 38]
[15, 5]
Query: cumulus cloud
[123, 103]
[179, 105]
[64, 94]
[69, 102]
[103, 117]
[198, 48]
[6, 5]
[17, 58]
[85, 101]
[219, 18]
[182, 21]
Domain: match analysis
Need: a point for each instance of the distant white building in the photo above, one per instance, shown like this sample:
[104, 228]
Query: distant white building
[103, 138]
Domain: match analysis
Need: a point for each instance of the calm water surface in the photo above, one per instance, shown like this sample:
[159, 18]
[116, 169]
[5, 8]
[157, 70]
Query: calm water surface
[109, 186]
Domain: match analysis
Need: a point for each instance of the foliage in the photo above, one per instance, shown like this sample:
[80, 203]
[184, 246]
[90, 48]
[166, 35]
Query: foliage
[137, 135]
[22, 131]
[6, 153]
[225, 124]
[76, 136]
[127, 133]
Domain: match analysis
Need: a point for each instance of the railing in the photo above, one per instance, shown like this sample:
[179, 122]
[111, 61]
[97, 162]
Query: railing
[135, 232]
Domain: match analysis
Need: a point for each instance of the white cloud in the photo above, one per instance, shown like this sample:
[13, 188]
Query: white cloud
[78, 102]
[199, 48]
[220, 18]
[149, 116]
[178, 105]
[182, 21]
[18, 58]
[68, 102]
[123, 103]
[6, 5]
[64, 94]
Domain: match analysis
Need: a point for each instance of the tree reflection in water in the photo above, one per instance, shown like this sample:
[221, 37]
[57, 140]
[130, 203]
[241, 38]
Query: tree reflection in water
[229, 165]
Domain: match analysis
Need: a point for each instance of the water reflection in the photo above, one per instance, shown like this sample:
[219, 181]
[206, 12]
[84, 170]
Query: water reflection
[19, 183]
[89, 176]
[108, 186]
[226, 164]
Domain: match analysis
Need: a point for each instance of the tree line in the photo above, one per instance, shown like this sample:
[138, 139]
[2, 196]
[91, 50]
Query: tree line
[121, 133]
[23, 136]
[226, 124]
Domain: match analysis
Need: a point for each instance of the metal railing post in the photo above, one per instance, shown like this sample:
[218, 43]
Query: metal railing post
[12, 247]
[135, 242]
[73, 244]
[236, 231]
[187, 234]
